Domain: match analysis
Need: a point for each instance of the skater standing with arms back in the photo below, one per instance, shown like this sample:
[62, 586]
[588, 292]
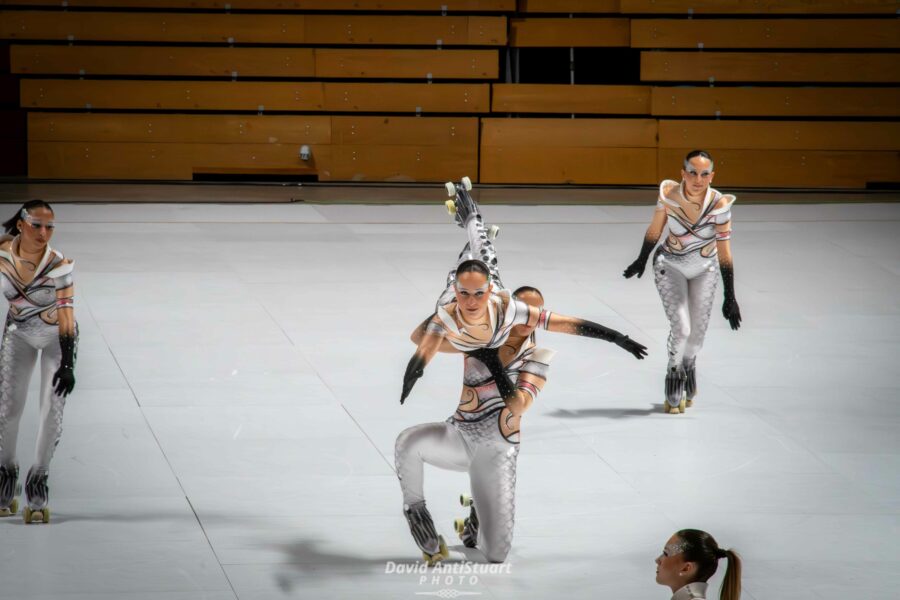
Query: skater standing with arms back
[37, 282]
[686, 268]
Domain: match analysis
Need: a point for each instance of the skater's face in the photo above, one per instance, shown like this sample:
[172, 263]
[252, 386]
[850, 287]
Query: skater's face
[473, 290]
[671, 568]
[36, 228]
[698, 175]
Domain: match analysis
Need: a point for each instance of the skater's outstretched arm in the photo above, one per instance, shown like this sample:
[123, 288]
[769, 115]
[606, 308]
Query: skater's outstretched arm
[576, 326]
[730, 309]
[426, 350]
[419, 333]
[654, 231]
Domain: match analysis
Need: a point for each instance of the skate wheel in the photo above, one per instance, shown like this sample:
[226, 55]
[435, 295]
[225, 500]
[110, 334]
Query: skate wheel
[493, 232]
[451, 189]
[451, 207]
[14, 506]
[689, 402]
[45, 513]
[682, 405]
[467, 184]
[26, 514]
[465, 499]
[459, 525]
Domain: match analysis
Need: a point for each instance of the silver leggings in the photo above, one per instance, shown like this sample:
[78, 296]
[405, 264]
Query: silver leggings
[478, 449]
[687, 286]
[18, 356]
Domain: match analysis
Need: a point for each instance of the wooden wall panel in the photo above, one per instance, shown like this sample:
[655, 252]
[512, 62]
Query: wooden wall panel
[581, 32]
[792, 168]
[411, 30]
[253, 28]
[770, 66]
[403, 163]
[251, 95]
[102, 94]
[765, 33]
[605, 151]
[569, 6]
[151, 60]
[582, 99]
[435, 6]
[535, 134]
[799, 135]
[775, 102]
[408, 64]
[749, 7]
[577, 165]
[160, 128]
[153, 27]
[405, 131]
[407, 97]
[124, 160]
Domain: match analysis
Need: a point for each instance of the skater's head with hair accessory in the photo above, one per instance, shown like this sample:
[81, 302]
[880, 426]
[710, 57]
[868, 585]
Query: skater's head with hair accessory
[697, 173]
[692, 556]
[33, 223]
[473, 288]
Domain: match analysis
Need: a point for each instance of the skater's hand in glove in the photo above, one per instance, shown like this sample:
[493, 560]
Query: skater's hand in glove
[635, 268]
[732, 312]
[629, 345]
[64, 381]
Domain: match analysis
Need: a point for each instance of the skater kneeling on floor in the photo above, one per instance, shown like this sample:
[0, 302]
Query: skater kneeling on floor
[37, 282]
[689, 559]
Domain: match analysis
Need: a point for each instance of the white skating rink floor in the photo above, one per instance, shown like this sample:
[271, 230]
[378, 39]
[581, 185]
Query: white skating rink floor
[231, 434]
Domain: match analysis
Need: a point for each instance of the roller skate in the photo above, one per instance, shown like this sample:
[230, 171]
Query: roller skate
[432, 545]
[10, 488]
[462, 206]
[675, 398]
[36, 496]
[690, 382]
[467, 528]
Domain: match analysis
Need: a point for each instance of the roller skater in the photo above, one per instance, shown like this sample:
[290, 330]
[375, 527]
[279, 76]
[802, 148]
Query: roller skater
[37, 282]
[504, 372]
[686, 269]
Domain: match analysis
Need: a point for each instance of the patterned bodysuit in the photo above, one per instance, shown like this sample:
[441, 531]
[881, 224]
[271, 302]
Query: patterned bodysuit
[31, 326]
[686, 268]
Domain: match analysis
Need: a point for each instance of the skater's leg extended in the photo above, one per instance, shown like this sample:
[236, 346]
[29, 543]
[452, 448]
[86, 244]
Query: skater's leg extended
[17, 360]
[438, 444]
[701, 296]
[493, 479]
[672, 286]
[52, 406]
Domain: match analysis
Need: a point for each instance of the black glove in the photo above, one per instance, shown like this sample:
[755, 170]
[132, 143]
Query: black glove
[629, 345]
[490, 357]
[414, 369]
[637, 267]
[64, 378]
[730, 309]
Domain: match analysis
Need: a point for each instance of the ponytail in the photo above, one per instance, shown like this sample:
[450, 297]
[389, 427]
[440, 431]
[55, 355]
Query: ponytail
[10, 225]
[701, 548]
[731, 584]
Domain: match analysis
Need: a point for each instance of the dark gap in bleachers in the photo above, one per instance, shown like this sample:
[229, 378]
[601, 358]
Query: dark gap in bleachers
[13, 121]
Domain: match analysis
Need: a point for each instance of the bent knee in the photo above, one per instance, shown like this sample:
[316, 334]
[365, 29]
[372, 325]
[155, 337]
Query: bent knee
[496, 554]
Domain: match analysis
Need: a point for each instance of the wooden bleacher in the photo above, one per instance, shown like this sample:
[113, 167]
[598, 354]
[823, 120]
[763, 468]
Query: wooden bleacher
[618, 151]
[254, 28]
[785, 94]
[765, 33]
